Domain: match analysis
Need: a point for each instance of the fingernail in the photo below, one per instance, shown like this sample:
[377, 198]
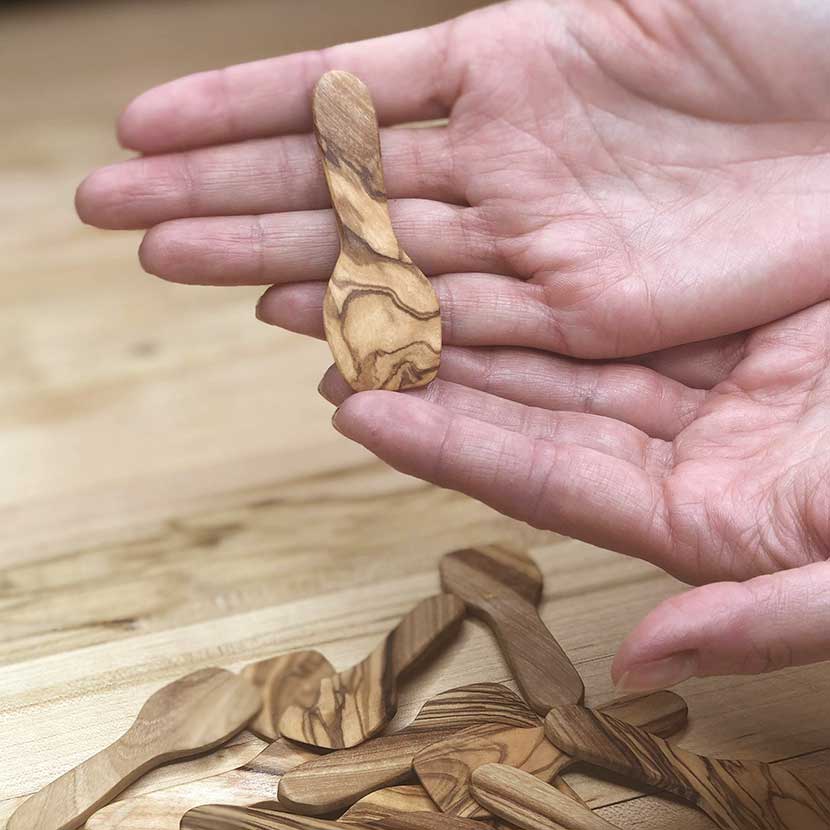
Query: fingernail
[334, 421]
[258, 311]
[660, 674]
[321, 389]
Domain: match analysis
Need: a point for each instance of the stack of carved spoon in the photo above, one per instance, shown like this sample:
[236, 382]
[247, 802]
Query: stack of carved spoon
[474, 757]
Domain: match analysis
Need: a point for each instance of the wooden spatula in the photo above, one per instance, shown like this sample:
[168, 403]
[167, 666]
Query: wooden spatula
[503, 587]
[445, 768]
[332, 782]
[220, 817]
[191, 715]
[356, 704]
[736, 795]
[528, 803]
[381, 314]
[252, 785]
[288, 678]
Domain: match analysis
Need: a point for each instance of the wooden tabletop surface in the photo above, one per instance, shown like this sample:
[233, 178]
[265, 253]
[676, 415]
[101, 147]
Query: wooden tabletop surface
[172, 493]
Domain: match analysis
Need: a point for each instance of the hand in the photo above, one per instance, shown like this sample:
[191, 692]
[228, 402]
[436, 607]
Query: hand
[737, 486]
[614, 179]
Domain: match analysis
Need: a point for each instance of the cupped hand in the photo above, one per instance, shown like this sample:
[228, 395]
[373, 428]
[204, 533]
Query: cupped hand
[728, 485]
[615, 178]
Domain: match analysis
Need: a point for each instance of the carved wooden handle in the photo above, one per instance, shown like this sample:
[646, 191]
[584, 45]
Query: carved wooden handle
[523, 800]
[735, 794]
[357, 703]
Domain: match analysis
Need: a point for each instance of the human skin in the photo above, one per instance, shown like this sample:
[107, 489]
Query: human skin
[623, 220]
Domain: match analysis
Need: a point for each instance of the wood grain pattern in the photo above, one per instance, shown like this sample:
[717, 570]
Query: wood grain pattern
[191, 715]
[526, 802]
[445, 768]
[221, 817]
[254, 784]
[357, 703]
[503, 586]
[282, 681]
[381, 313]
[403, 798]
[737, 795]
[332, 782]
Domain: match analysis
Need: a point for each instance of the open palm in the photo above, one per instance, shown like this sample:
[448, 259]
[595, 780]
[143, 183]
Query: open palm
[616, 178]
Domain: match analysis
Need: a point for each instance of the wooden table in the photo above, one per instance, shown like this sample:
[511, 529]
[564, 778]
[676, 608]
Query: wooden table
[172, 493]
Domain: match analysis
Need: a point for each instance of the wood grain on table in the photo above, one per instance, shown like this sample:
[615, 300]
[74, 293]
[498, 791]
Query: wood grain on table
[172, 493]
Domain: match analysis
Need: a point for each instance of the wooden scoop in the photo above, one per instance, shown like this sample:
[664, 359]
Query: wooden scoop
[283, 680]
[528, 803]
[356, 704]
[405, 798]
[186, 717]
[445, 768]
[381, 314]
[332, 782]
[736, 795]
[220, 817]
[504, 587]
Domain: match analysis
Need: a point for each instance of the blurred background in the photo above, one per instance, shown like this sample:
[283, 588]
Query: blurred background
[124, 398]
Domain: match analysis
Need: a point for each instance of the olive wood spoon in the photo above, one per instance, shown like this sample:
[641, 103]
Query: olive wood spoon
[503, 587]
[356, 704]
[736, 795]
[381, 314]
[191, 715]
[332, 782]
[526, 802]
[445, 768]
[221, 817]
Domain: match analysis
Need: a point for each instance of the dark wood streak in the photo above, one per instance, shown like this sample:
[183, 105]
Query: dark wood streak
[737, 795]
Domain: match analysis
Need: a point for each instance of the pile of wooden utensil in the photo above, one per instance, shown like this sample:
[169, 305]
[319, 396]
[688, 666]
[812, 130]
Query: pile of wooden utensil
[473, 755]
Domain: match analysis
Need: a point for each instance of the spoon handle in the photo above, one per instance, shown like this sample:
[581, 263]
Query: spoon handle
[346, 128]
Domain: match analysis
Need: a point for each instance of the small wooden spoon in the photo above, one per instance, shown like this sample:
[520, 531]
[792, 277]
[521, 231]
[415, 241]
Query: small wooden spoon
[288, 678]
[736, 795]
[220, 817]
[526, 802]
[381, 314]
[332, 782]
[445, 768]
[191, 715]
[503, 587]
[357, 703]
[405, 798]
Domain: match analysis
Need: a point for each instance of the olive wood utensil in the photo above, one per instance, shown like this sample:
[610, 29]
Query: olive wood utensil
[288, 678]
[503, 587]
[736, 795]
[252, 785]
[445, 768]
[356, 704]
[526, 802]
[221, 817]
[189, 716]
[332, 782]
[381, 314]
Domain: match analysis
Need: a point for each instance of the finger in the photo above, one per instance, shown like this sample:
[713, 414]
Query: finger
[700, 365]
[263, 176]
[658, 406]
[761, 625]
[413, 76]
[303, 245]
[549, 484]
[594, 432]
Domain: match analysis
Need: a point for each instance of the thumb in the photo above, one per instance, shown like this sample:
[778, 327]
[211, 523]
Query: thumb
[761, 625]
